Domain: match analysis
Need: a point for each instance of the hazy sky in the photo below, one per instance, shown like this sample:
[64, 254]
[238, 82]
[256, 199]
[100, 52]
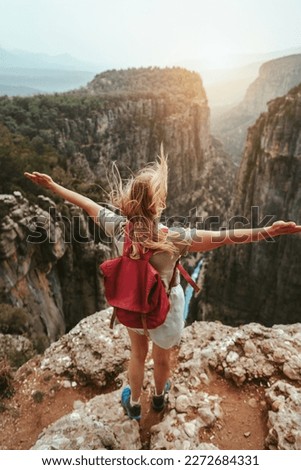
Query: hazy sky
[123, 33]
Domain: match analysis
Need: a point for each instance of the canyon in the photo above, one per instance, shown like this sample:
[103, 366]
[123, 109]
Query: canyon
[245, 343]
[124, 117]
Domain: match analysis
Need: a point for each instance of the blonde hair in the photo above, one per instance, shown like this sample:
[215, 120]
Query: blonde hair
[141, 199]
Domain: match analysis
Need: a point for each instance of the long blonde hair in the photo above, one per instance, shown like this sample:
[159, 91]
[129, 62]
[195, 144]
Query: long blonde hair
[141, 199]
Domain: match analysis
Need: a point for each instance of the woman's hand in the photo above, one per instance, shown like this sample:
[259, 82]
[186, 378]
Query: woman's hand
[91, 207]
[40, 178]
[283, 228]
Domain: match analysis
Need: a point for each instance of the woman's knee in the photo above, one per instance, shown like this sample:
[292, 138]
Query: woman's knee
[139, 354]
[161, 357]
[139, 346]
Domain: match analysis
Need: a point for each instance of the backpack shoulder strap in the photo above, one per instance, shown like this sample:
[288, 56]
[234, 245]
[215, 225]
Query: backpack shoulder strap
[183, 271]
[127, 241]
[187, 277]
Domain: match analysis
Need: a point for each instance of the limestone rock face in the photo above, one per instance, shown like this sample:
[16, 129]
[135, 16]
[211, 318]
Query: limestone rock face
[262, 281]
[284, 417]
[275, 79]
[249, 352]
[98, 424]
[38, 267]
[138, 110]
[92, 352]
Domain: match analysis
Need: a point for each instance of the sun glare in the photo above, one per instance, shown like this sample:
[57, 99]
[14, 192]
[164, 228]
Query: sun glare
[218, 57]
[220, 61]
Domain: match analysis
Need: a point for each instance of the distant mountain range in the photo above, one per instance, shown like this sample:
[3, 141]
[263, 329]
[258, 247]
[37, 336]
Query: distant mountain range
[30, 60]
[26, 73]
[26, 82]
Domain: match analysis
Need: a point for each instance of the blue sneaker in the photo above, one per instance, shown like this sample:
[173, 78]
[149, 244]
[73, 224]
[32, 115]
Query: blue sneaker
[133, 412]
[159, 401]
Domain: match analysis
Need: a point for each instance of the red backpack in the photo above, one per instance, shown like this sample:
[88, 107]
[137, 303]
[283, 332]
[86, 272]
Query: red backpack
[135, 289]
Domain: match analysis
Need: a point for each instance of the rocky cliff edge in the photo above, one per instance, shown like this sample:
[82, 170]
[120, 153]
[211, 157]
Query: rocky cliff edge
[232, 388]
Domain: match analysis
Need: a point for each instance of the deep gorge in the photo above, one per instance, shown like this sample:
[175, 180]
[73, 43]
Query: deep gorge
[124, 117]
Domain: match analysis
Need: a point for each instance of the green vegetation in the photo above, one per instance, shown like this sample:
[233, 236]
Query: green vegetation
[151, 80]
[18, 154]
[28, 116]
[31, 131]
[42, 120]
[13, 320]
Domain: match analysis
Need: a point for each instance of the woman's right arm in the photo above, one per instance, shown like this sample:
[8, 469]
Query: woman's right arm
[207, 240]
[85, 203]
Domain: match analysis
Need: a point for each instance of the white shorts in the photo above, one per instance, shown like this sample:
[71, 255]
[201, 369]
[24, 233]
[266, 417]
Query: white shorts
[169, 333]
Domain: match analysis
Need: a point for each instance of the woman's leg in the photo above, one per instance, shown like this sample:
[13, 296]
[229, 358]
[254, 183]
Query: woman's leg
[161, 359]
[139, 349]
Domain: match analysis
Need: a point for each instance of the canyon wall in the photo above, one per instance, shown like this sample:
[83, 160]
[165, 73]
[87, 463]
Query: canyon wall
[262, 281]
[48, 266]
[137, 110]
[275, 79]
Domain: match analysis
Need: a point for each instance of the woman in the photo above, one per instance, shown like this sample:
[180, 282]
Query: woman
[142, 201]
